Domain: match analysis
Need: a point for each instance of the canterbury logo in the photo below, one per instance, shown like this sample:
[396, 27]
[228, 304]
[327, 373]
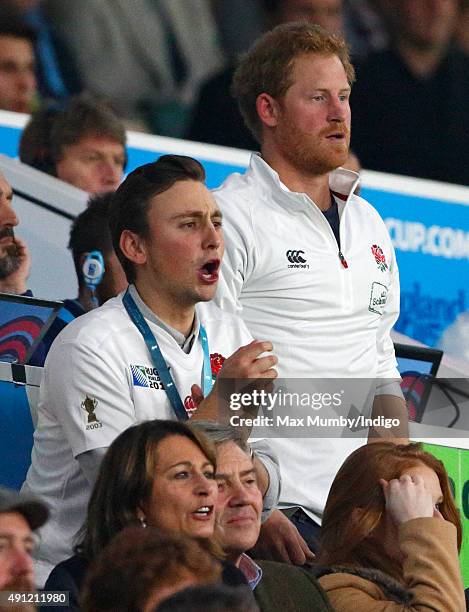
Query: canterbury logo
[295, 257]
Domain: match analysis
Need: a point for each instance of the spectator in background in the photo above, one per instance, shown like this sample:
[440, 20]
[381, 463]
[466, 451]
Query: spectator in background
[409, 105]
[162, 50]
[216, 118]
[54, 68]
[87, 145]
[391, 533]
[34, 147]
[15, 261]
[462, 27]
[142, 567]
[90, 234]
[99, 272]
[239, 506]
[212, 598]
[17, 79]
[20, 516]
[82, 144]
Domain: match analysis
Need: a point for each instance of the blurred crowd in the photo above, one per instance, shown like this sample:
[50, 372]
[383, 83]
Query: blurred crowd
[165, 66]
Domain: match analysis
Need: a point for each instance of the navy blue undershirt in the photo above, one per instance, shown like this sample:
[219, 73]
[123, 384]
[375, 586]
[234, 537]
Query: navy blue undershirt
[332, 216]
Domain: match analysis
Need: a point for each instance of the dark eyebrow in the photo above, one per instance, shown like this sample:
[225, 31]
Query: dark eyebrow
[197, 214]
[224, 476]
[187, 464]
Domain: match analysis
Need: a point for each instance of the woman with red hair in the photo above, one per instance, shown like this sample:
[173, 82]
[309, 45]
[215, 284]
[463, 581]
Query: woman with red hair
[391, 533]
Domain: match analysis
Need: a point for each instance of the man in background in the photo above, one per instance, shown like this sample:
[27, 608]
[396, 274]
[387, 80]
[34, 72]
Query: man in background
[17, 78]
[99, 273]
[83, 144]
[409, 105]
[20, 516]
[15, 261]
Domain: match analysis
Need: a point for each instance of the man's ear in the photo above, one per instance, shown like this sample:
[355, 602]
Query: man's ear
[267, 109]
[133, 247]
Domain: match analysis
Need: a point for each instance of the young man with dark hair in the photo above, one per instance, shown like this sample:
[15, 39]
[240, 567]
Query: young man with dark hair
[91, 240]
[321, 275]
[17, 78]
[141, 355]
[99, 273]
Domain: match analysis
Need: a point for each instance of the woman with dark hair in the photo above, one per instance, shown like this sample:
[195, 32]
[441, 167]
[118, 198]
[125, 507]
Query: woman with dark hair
[391, 533]
[157, 473]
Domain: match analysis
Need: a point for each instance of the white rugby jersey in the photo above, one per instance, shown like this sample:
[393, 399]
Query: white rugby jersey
[283, 274]
[98, 381]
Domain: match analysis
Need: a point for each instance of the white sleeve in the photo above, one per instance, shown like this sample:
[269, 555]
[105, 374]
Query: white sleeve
[269, 459]
[239, 260]
[387, 365]
[89, 395]
[90, 462]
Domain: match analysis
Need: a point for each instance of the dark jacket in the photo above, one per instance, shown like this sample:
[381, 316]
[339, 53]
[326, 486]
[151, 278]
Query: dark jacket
[287, 588]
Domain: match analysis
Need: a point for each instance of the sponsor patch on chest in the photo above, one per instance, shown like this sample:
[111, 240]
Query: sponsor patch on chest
[378, 298]
[145, 376]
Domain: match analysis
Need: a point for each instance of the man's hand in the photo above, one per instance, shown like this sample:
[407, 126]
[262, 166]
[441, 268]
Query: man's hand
[16, 281]
[280, 540]
[245, 363]
[390, 407]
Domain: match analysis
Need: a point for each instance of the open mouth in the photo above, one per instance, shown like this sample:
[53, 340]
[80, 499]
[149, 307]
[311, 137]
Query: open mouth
[208, 273]
[203, 513]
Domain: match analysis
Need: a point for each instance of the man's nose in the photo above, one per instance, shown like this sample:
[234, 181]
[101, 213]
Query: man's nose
[112, 172]
[8, 216]
[212, 237]
[22, 563]
[338, 109]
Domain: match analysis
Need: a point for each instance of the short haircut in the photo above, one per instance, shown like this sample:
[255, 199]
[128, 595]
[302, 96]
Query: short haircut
[138, 562]
[131, 202]
[125, 480]
[35, 148]
[211, 598]
[12, 25]
[267, 66]
[219, 433]
[84, 116]
[90, 231]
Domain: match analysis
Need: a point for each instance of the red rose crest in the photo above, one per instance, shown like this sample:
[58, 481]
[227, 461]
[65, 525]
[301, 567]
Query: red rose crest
[216, 363]
[379, 257]
[189, 404]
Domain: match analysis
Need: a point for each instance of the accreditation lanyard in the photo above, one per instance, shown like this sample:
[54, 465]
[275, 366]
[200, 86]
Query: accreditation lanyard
[159, 361]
